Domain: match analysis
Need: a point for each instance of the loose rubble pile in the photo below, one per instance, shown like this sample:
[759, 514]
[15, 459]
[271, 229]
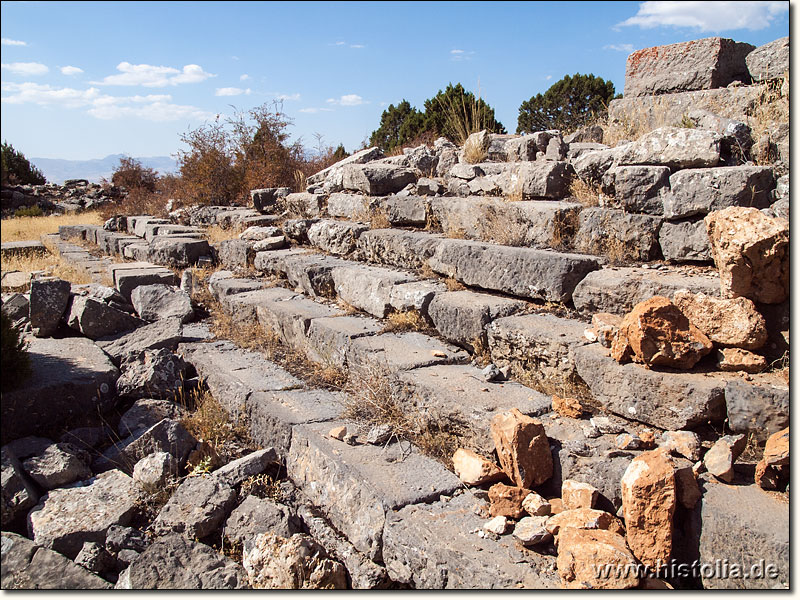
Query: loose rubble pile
[612, 369]
[73, 195]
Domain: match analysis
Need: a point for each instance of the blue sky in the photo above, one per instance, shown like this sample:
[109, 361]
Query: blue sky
[83, 80]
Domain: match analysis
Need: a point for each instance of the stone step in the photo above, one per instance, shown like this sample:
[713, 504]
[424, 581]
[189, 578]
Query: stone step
[357, 486]
[128, 276]
[617, 290]
[22, 248]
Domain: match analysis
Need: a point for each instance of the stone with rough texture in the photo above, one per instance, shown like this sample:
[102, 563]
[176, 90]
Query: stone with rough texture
[618, 235]
[401, 351]
[580, 551]
[536, 506]
[357, 486]
[617, 290]
[151, 374]
[745, 525]
[235, 254]
[299, 562]
[639, 189]
[648, 503]
[666, 400]
[723, 454]
[128, 276]
[430, 546]
[96, 319]
[145, 413]
[255, 463]
[66, 518]
[523, 448]
[540, 179]
[685, 443]
[684, 241]
[332, 176]
[165, 436]
[260, 515]
[375, 179]
[155, 471]
[336, 237]
[525, 272]
[774, 464]
[49, 297]
[769, 61]
[57, 466]
[164, 333]
[173, 562]
[673, 147]
[368, 288]
[474, 469]
[583, 518]
[95, 558]
[657, 333]
[159, 301]
[197, 508]
[398, 248]
[727, 322]
[736, 359]
[497, 525]
[703, 64]
[72, 379]
[177, 251]
[18, 494]
[531, 531]
[27, 566]
[506, 500]
[265, 200]
[575, 494]
[759, 410]
[751, 252]
[696, 192]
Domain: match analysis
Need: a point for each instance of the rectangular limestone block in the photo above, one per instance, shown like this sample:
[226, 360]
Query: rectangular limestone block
[368, 288]
[356, 486]
[289, 318]
[704, 64]
[397, 248]
[524, 272]
[401, 351]
[329, 338]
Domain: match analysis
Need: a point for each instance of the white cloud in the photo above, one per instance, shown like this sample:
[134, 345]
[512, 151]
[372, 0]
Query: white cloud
[619, 47]
[244, 77]
[347, 100]
[152, 76]
[155, 111]
[26, 68]
[9, 42]
[153, 107]
[357, 46]
[287, 97]
[69, 70]
[707, 16]
[339, 43]
[232, 91]
[548, 77]
[315, 110]
[458, 54]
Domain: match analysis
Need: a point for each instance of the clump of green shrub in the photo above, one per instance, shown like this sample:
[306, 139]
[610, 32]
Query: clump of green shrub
[14, 359]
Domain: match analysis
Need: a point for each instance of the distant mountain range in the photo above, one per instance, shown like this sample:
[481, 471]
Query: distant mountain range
[57, 170]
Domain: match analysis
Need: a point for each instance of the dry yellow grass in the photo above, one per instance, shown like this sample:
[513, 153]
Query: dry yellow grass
[51, 264]
[215, 233]
[405, 320]
[33, 228]
[474, 151]
[585, 193]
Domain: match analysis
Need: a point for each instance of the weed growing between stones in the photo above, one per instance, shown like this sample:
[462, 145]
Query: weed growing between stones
[51, 264]
[215, 233]
[500, 227]
[453, 285]
[771, 109]
[474, 151]
[406, 320]
[585, 193]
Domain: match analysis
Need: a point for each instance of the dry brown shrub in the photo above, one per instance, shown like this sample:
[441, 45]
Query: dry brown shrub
[453, 285]
[406, 320]
[502, 227]
[474, 151]
[585, 193]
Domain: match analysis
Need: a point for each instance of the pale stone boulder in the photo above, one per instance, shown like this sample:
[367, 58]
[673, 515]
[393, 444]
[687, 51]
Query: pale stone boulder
[723, 454]
[506, 500]
[751, 253]
[736, 359]
[575, 494]
[474, 469]
[728, 322]
[581, 550]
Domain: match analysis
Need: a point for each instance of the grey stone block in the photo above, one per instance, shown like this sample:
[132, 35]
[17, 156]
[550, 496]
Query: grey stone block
[685, 241]
[461, 317]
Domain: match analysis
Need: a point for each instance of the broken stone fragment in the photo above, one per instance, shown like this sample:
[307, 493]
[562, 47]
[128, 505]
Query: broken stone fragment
[567, 407]
[686, 487]
[379, 434]
[657, 333]
[474, 469]
[338, 433]
[536, 506]
[607, 425]
[606, 326]
[498, 525]
[575, 494]
[648, 501]
[584, 518]
[626, 441]
[736, 359]
[723, 454]
[772, 471]
[581, 550]
[531, 531]
[684, 443]
[523, 448]
[506, 500]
